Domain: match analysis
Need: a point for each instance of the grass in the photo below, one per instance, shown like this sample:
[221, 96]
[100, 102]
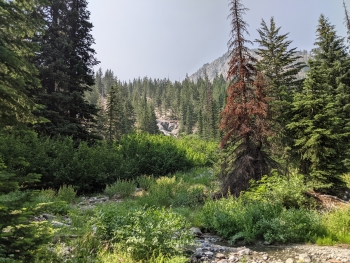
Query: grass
[273, 210]
[121, 189]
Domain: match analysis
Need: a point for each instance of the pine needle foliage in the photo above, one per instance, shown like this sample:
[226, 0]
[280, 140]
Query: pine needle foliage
[244, 119]
[280, 66]
[19, 20]
[322, 109]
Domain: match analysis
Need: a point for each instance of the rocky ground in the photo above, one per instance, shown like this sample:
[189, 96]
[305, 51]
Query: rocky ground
[209, 249]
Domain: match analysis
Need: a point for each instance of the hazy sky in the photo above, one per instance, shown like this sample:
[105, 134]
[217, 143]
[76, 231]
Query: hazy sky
[169, 38]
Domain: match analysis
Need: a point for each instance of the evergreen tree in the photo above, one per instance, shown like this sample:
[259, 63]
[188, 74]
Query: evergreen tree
[278, 63]
[280, 66]
[99, 83]
[145, 116]
[19, 20]
[65, 63]
[119, 112]
[20, 236]
[244, 119]
[322, 110]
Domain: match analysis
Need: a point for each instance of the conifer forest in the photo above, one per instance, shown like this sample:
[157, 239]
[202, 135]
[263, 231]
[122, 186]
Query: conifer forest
[98, 169]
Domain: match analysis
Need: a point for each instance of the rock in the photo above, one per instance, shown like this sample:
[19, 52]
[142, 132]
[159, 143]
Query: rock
[58, 224]
[220, 256]
[196, 231]
[265, 257]
[223, 261]
[232, 258]
[67, 220]
[208, 253]
[290, 260]
[93, 200]
[245, 251]
[304, 258]
[48, 216]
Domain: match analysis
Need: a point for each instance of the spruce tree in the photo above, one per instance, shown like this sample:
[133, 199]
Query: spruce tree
[322, 110]
[19, 20]
[65, 63]
[145, 116]
[119, 112]
[244, 119]
[280, 66]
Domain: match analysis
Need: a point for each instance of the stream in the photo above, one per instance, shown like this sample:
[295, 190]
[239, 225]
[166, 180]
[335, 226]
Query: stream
[211, 248]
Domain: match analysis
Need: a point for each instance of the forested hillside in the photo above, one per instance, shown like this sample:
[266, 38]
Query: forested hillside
[195, 105]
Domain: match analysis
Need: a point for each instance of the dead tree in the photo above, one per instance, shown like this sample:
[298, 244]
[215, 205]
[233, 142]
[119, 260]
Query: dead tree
[244, 119]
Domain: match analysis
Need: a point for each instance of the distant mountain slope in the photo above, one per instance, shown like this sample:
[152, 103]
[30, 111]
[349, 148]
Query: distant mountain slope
[220, 66]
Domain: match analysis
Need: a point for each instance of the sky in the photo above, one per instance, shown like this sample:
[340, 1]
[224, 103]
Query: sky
[172, 38]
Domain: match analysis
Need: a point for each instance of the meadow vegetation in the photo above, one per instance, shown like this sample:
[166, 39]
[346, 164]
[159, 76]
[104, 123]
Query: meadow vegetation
[152, 224]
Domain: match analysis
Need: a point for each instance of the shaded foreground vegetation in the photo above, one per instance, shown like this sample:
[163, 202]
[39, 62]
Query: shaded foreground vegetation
[90, 168]
[152, 224]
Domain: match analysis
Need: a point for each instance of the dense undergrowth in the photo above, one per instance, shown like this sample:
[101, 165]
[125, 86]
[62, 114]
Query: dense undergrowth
[90, 168]
[152, 224]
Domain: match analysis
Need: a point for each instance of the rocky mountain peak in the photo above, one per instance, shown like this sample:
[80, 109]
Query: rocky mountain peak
[220, 66]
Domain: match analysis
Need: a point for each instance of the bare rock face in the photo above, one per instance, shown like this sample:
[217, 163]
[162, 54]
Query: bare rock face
[168, 127]
[220, 66]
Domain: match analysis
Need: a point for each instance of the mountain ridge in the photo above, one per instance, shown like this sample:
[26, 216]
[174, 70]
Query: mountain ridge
[220, 66]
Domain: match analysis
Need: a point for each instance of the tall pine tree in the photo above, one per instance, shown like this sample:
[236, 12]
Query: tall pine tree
[322, 110]
[65, 64]
[280, 66]
[119, 113]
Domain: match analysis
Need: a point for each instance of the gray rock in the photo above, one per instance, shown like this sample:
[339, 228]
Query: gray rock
[58, 224]
[196, 231]
[304, 258]
[290, 260]
[208, 253]
[223, 261]
[48, 216]
[232, 258]
[93, 200]
[245, 251]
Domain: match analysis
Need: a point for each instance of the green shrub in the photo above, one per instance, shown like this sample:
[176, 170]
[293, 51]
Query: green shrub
[89, 169]
[337, 225]
[142, 232]
[168, 191]
[188, 195]
[293, 225]
[145, 182]
[66, 193]
[235, 218]
[45, 196]
[289, 191]
[121, 188]
[161, 193]
[166, 259]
